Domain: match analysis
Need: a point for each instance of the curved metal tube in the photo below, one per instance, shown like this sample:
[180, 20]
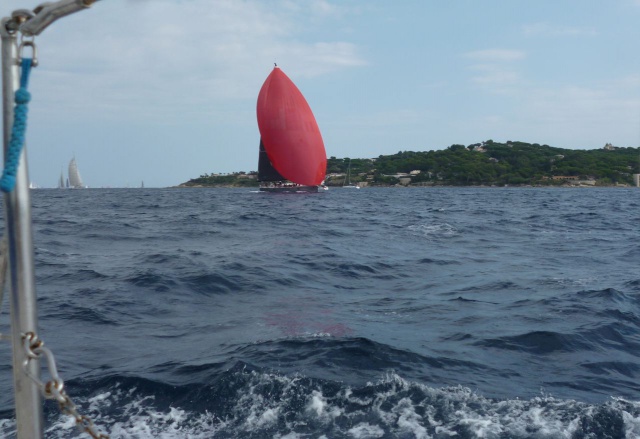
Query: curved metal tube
[50, 12]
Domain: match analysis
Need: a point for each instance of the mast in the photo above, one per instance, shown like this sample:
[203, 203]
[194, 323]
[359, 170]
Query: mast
[349, 173]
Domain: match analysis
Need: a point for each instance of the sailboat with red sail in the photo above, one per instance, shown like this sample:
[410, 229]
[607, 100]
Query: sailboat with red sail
[292, 157]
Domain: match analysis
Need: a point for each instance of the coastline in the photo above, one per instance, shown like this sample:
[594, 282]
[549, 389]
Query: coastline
[422, 186]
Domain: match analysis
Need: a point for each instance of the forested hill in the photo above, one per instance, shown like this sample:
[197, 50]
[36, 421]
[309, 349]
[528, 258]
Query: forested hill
[485, 163]
[492, 162]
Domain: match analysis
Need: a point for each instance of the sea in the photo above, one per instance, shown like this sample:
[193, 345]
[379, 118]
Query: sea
[372, 313]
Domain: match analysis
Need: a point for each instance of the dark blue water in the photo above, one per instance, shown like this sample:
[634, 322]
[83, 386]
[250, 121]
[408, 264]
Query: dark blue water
[377, 313]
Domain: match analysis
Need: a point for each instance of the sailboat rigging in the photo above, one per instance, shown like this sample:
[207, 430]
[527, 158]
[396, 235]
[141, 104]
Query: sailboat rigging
[291, 155]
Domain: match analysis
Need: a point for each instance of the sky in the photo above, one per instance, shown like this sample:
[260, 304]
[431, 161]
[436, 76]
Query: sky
[162, 91]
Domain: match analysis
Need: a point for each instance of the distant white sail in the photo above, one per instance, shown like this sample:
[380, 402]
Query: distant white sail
[75, 181]
[61, 182]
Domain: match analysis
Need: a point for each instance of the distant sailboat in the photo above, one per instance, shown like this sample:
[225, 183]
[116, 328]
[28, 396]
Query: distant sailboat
[292, 157]
[75, 181]
[61, 181]
[347, 181]
[636, 177]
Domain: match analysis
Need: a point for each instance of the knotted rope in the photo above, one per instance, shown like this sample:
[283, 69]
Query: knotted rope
[22, 98]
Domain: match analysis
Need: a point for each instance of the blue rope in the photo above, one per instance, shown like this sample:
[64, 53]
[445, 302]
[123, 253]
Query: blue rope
[22, 98]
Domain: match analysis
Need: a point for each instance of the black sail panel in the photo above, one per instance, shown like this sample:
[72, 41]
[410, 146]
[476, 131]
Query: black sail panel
[266, 171]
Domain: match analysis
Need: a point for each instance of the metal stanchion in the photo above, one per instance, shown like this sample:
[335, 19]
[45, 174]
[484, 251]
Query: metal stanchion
[21, 279]
[20, 254]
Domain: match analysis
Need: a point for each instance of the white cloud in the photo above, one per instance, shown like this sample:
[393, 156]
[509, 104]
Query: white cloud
[554, 30]
[583, 105]
[399, 118]
[319, 9]
[627, 82]
[578, 116]
[495, 55]
[163, 58]
[494, 69]
[324, 8]
[494, 75]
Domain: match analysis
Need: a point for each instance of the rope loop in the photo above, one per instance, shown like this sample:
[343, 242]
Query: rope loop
[21, 98]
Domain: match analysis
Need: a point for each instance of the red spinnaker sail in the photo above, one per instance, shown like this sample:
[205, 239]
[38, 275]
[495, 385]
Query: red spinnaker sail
[289, 131]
